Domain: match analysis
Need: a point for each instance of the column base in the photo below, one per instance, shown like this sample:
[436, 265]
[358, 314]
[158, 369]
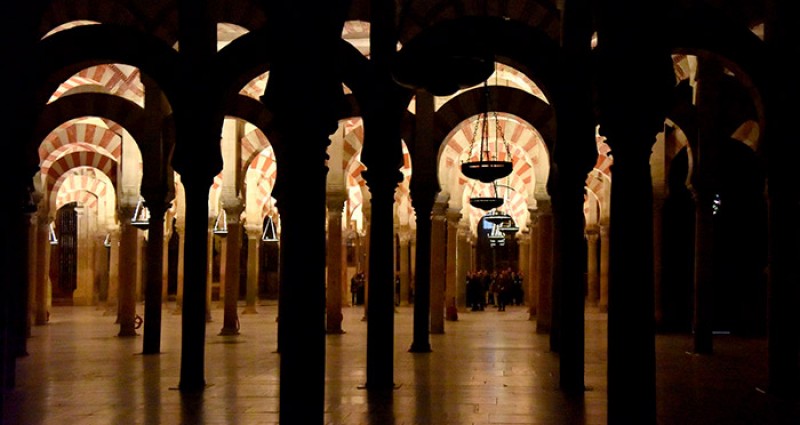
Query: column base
[124, 333]
[229, 331]
[250, 310]
[420, 348]
[602, 308]
[451, 314]
[334, 331]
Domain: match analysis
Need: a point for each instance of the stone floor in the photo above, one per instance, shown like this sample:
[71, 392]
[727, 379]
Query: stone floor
[489, 367]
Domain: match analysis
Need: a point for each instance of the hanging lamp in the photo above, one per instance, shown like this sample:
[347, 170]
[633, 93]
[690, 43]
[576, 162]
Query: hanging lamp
[487, 203]
[221, 224]
[497, 217]
[107, 241]
[53, 237]
[269, 234]
[141, 215]
[487, 167]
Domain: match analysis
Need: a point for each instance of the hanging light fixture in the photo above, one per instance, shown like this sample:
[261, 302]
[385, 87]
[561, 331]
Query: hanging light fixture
[509, 227]
[141, 215]
[487, 167]
[221, 224]
[497, 217]
[53, 238]
[269, 234]
[107, 241]
[487, 203]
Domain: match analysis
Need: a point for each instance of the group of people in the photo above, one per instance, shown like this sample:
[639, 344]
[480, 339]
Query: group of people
[499, 288]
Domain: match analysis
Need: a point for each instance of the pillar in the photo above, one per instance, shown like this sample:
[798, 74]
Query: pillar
[127, 279]
[405, 266]
[524, 252]
[423, 191]
[544, 302]
[781, 31]
[703, 186]
[210, 261]
[463, 263]
[254, 233]
[112, 301]
[452, 285]
[534, 274]
[631, 116]
[333, 290]
[605, 251]
[197, 159]
[42, 268]
[153, 301]
[180, 228]
[230, 315]
[84, 293]
[438, 271]
[592, 269]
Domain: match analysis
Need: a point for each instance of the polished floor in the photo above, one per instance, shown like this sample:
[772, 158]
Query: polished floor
[489, 367]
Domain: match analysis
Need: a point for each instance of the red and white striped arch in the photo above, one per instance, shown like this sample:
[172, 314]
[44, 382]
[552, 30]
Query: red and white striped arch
[88, 135]
[82, 180]
[76, 159]
[255, 88]
[69, 25]
[117, 79]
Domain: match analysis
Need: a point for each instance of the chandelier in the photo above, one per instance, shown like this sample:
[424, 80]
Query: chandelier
[487, 167]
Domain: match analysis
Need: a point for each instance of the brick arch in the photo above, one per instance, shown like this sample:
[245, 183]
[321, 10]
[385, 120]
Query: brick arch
[80, 183]
[83, 197]
[81, 178]
[513, 101]
[66, 53]
[106, 141]
[76, 159]
[117, 79]
[61, 12]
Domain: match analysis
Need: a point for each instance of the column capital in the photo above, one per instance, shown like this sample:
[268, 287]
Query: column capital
[335, 200]
[253, 231]
[453, 216]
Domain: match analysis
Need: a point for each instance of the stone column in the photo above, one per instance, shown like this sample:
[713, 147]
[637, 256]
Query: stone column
[333, 290]
[209, 245]
[593, 275]
[452, 285]
[197, 158]
[703, 185]
[230, 320]
[423, 192]
[658, 208]
[127, 276]
[438, 265]
[534, 274]
[153, 303]
[112, 301]
[605, 251]
[463, 263]
[42, 268]
[254, 233]
[544, 304]
[631, 116]
[180, 227]
[405, 266]
[781, 33]
[84, 293]
[366, 210]
[524, 249]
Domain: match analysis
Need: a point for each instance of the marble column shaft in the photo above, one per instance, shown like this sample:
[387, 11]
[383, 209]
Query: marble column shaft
[438, 271]
[335, 248]
[127, 273]
[452, 286]
[230, 316]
